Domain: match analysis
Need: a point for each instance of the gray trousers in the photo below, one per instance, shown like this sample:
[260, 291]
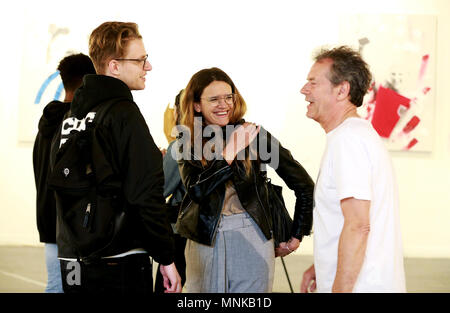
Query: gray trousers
[241, 260]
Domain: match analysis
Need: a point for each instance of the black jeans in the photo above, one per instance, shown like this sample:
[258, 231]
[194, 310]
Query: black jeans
[131, 274]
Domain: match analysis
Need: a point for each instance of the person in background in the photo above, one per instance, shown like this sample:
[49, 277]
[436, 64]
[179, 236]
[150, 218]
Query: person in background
[225, 214]
[357, 239]
[72, 68]
[173, 188]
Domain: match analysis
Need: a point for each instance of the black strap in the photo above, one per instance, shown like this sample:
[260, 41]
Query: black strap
[103, 108]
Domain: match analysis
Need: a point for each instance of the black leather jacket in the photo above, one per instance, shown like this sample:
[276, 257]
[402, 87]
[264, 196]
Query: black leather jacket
[200, 211]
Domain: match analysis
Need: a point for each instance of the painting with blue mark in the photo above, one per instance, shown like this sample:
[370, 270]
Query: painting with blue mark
[45, 43]
[45, 85]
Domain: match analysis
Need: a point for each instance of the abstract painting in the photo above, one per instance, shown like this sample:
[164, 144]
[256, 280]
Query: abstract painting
[401, 53]
[45, 44]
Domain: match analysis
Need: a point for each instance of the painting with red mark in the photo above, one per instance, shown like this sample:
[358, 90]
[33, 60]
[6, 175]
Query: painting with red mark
[411, 144]
[386, 113]
[401, 53]
[426, 90]
[411, 124]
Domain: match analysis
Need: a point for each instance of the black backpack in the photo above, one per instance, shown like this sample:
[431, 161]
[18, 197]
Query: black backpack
[88, 192]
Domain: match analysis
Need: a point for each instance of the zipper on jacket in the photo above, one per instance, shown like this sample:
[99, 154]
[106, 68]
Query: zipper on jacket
[182, 211]
[213, 239]
[213, 174]
[87, 214]
[220, 212]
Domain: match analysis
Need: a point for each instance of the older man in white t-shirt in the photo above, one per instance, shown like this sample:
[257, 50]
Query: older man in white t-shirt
[357, 239]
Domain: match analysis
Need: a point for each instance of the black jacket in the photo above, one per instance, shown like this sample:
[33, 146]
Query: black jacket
[201, 208]
[139, 163]
[51, 119]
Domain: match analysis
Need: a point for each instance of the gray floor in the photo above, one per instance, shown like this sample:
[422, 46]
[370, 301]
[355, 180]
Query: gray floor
[22, 269]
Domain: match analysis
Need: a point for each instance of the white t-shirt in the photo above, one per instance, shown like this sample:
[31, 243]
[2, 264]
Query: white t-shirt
[356, 164]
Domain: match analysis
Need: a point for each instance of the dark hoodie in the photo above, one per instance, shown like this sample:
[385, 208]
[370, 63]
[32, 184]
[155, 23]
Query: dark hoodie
[45, 201]
[139, 162]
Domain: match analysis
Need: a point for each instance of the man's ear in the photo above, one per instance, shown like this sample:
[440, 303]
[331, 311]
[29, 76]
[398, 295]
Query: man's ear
[114, 67]
[344, 90]
[197, 107]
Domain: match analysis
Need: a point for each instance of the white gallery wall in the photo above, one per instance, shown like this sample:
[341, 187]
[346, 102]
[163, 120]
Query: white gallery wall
[266, 48]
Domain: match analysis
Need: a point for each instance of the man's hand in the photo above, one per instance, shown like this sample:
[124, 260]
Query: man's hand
[171, 278]
[309, 280]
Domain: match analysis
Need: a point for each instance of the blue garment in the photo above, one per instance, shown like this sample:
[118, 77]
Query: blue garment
[54, 283]
[172, 179]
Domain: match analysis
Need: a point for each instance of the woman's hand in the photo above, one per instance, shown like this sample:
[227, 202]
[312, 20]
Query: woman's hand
[286, 248]
[240, 138]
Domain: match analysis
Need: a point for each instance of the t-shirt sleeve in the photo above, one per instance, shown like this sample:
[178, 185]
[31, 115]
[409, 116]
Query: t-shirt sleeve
[352, 168]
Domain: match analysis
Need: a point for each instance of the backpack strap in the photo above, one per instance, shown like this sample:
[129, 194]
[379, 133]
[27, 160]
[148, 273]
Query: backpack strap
[103, 108]
[121, 217]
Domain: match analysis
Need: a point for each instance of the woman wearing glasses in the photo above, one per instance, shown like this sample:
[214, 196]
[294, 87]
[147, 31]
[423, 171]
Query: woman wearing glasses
[225, 213]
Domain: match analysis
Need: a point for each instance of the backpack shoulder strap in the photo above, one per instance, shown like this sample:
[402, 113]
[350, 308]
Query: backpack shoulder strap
[103, 108]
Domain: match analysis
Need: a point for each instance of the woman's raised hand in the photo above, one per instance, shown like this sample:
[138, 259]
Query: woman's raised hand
[240, 138]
